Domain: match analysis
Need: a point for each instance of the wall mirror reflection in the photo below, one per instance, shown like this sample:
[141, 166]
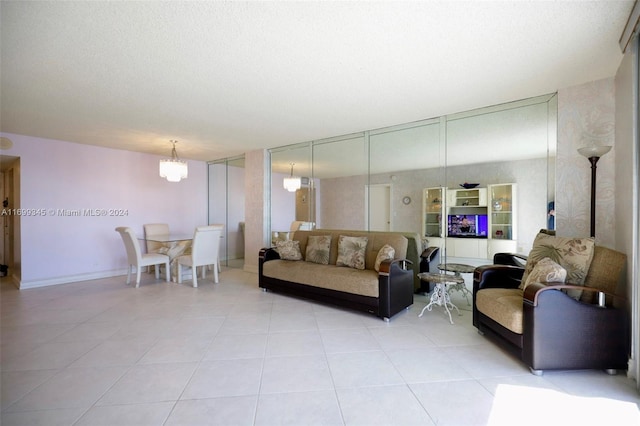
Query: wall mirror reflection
[408, 178]
[226, 207]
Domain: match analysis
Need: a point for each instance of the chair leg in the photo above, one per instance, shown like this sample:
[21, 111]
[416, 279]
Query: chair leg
[138, 269]
[156, 268]
[179, 273]
[166, 270]
[215, 274]
[204, 272]
[194, 274]
[128, 274]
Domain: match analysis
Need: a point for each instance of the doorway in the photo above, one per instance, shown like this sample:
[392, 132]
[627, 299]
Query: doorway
[10, 223]
[378, 215]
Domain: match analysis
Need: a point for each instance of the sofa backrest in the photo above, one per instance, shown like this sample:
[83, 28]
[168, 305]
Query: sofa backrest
[375, 241]
[604, 271]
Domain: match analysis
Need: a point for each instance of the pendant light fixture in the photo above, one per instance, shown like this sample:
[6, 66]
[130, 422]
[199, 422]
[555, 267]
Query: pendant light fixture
[291, 183]
[174, 169]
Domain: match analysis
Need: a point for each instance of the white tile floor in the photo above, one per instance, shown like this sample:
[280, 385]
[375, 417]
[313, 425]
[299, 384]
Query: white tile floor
[102, 353]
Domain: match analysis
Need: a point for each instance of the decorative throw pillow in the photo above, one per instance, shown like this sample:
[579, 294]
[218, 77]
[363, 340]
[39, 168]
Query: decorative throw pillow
[386, 253]
[351, 251]
[573, 254]
[318, 249]
[289, 250]
[546, 271]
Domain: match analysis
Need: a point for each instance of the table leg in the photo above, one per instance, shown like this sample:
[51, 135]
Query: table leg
[462, 288]
[440, 297]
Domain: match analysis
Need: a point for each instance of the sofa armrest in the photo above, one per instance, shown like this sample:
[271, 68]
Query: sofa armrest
[533, 291]
[385, 265]
[395, 287]
[513, 259]
[561, 332]
[497, 276]
[268, 253]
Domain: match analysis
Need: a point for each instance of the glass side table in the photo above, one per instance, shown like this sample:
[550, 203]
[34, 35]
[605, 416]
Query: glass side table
[440, 296]
[458, 269]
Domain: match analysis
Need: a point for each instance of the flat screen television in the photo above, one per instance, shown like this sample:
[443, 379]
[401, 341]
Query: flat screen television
[468, 225]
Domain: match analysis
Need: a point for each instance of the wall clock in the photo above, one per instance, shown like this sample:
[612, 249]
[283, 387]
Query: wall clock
[406, 200]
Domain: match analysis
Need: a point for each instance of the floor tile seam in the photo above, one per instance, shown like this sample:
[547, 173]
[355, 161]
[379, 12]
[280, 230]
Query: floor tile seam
[331, 375]
[124, 374]
[77, 407]
[354, 351]
[67, 365]
[395, 367]
[262, 367]
[432, 418]
[44, 410]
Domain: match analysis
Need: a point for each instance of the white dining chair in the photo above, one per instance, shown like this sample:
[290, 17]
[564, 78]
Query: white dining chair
[136, 259]
[204, 251]
[153, 230]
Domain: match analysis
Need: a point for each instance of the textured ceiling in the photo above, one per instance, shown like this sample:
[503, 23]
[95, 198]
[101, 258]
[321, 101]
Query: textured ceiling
[229, 77]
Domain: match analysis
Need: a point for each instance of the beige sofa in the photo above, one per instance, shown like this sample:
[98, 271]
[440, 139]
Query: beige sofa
[383, 293]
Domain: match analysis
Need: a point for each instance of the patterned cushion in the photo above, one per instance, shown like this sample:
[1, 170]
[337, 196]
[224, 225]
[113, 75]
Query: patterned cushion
[386, 253]
[546, 271]
[351, 251]
[318, 249]
[289, 250]
[573, 254]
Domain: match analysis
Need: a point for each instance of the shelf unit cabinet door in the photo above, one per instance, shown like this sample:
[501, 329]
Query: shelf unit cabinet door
[473, 248]
[502, 209]
[476, 197]
[433, 223]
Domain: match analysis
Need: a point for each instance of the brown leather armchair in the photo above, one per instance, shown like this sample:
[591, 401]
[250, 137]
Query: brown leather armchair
[548, 329]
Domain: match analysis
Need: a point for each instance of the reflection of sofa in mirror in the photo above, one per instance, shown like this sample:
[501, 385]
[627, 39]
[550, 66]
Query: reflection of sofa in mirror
[555, 325]
[384, 292]
[480, 147]
[429, 261]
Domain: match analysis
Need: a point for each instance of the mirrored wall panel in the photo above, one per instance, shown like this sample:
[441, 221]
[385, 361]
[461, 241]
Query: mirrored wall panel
[226, 207]
[472, 183]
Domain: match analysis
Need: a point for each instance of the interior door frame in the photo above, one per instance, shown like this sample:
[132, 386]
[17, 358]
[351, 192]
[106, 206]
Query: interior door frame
[367, 201]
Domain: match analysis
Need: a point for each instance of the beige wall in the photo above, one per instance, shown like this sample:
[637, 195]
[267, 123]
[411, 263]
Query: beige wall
[627, 196]
[586, 114]
[257, 193]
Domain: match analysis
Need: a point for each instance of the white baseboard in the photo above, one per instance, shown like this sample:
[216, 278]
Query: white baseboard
[22, 285]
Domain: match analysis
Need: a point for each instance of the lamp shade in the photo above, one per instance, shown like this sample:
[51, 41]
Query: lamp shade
[174, 169]
[291, 184]
[594, 150]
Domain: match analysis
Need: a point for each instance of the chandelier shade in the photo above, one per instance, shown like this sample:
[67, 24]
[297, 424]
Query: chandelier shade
[174, 169]
[292, 183]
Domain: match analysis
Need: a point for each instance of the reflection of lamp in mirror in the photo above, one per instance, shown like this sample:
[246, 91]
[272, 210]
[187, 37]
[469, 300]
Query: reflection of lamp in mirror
[593, 153]
[291, 183]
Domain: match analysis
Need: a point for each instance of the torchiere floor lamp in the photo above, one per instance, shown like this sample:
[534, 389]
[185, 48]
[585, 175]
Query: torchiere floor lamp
[593, 153]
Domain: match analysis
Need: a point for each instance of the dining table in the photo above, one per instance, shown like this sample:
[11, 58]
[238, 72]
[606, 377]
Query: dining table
[174, 246]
